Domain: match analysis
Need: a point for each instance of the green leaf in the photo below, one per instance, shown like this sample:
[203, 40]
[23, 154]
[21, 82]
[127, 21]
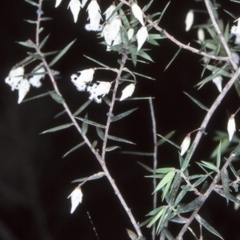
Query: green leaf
[190, 206]
[109, 149]
[34, 55]
[164, 170]
[158, 215]
[90, 122]
[219, 156]
[144, 55]
[119, 139]
[99, 63]
[60, 114]
[197, 102]
[59, 99]
[143, 154]
[58, 128]
[122, 115]
[36, 97]
[82, 108]
[46, 19]
[85, 125]
[207, 226]
[131, 234]
[94, 144]
[209, 165]
[187, 159]
[44, 41]
[27, 43]
[167, 178]
[30, 21]
[167, 140]
[167, 136]
[100, 133]
[225, 183]
[73, 149]
[32, 3]
[92, 177]
[176, 54]
[61, 53]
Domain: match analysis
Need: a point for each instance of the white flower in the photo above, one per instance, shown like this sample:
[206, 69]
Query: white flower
[236, 206]
[99, 90]
[231, 127]
[38, 75]
[94, 16]
[82, 78]
[189, 20]
[201, 35]
[75, 7]
[218, 81]
[130, 33]
[83, 3]
[109, 12]
[117, 40]
[14, 77]
[76, 198]
[137, 12]
[127, 91]
[142, 35]
[237, 39]
[185, 144]
[57, 3]
[23, 88]
[236, 29]
[235, 58]
[106, 33]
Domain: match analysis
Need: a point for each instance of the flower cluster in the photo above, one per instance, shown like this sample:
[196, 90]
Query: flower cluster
[83, 82]
[17, 81]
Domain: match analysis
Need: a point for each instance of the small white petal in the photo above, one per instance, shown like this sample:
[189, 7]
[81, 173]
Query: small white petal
[14, 77]
[94, 14]
[109, 12]
[75, 7]
[189, 20]
[99, 90]
[84, 3]
[236, 29]
[82, 78]
[57, 3]
[231, 127]
[237, 39]
[127, 91]
[142, 35]
[130, 33]
[218, 81]
[76, 198]
[23, 88]
[201, 35]
[137, 12]
[35, 80]
[185, 145]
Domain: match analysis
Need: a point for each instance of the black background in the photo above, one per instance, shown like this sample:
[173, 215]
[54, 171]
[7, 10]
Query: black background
[34, 179]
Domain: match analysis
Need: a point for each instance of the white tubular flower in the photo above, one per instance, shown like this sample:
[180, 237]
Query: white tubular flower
[106, 33]
[185, 144]
[75, 7]
[218, 82]
[130, 33]
[127, 91]
[76, 198]
[109, 12]
[35, 80]
[57, 3]
[231, 127]
[23, 88]
[189, 20]
[137, 12]
[82, 78]
[142, 35]
[117, 40]
[84, 3]
[235, 58]
[94, 16]
[115, 25]
[201, 35]
[99, 90]
[236, 29]
[14, 77]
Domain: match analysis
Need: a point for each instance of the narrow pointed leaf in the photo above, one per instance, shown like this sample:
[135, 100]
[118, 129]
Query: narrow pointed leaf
[190, 206]
[225, 183]
[73, 149]
[167, 234]
[59, 99]
[61, 53]
[197, 102]
[92, 177]
[36, 97]
[27, 44]
[219, 155]
[119, 139]
[131, 234]
[44, 41]
[138, 153]
[167, 140]
[109, 149]
[85, 125]
[209, 165]
[90, 122]
[208, 226]
[100, 133]
[167, 178]
[122, 115]
[176, 54]
[58, 128]
[94, 144]
[82, 107]
[32, 3]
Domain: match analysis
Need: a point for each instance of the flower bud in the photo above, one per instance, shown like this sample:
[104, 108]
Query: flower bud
[218, 81]
[185, 144]
[137, 12]
[127, 91]
[23, 88]
[142, 35]
[231, 127]
[189, 20]
[76, 198]
[75, 7]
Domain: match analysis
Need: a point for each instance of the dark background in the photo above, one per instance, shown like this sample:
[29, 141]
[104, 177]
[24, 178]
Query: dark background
[34, 178]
